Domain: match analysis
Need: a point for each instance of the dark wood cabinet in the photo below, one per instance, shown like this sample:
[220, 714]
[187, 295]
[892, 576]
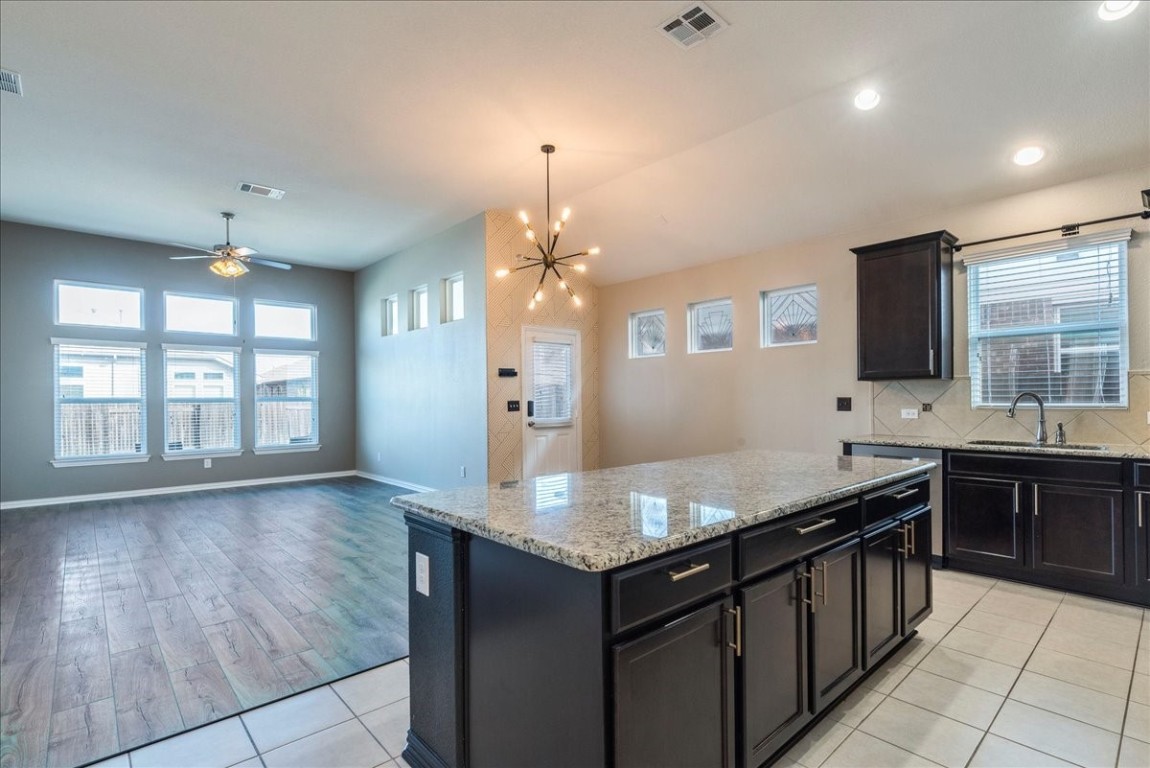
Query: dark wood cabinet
[917, 590]
[904, 308]
[674, 694]
[1077, 532]
[836, 622]
[985, 520]
[882, 551]
[1140, 511]
[775, 701]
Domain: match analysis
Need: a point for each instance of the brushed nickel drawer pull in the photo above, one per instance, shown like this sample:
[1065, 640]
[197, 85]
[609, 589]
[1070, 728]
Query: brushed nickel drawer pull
[692, 569]
[1141, 506]
[1036, 499]
[904, 550]
[815, 593]
[903, 494]
[1017, 502]
[804, 575]
[820, 524]
[910, 537]
[737, 646]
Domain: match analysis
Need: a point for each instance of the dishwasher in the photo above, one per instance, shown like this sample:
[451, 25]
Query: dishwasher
[922, 454]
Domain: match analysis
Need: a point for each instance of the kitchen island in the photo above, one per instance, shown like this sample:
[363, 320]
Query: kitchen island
[701, 611]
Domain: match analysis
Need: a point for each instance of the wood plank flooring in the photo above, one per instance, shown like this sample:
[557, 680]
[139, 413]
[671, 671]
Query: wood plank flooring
[122, 622]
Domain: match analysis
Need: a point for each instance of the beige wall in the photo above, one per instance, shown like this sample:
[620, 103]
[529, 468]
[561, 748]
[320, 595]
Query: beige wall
[683, 405]
[507, 313]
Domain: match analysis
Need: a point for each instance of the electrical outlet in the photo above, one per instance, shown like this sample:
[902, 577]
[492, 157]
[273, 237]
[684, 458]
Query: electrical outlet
[910, 413]
[207, 463]
[462, 470]
[927, 407]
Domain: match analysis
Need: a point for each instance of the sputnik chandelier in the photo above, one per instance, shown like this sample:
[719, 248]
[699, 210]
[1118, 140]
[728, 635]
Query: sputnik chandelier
[547, 258]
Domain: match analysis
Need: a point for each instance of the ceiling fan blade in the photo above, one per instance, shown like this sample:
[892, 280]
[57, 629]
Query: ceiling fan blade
[243, 250]
[203, 256]
[195, 248]
[269, 263]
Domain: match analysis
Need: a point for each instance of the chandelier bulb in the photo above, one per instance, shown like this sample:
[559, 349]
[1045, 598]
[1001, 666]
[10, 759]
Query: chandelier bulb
[562, 285]
[523, 216]
[558, 226]
[578, 301]
[531, 234]
[593, 251]
[501, 273]
[566, 213]
[538, 296]
[579, 267]
[531, 305]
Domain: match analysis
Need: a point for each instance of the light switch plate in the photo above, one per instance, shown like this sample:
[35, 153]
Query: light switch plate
[910, 413]
[422, 574]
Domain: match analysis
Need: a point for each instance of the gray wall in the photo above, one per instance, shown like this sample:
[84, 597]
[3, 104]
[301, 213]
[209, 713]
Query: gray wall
[422, 408]
[32, 257]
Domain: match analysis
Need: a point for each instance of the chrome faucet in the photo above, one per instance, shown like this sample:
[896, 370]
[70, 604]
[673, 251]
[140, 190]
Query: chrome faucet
[1040, 435]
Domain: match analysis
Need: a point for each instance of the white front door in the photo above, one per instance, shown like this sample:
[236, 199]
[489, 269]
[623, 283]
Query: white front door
[551, 415]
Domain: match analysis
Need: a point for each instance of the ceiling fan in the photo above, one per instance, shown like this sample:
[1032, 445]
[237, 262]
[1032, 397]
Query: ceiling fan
[230, 260]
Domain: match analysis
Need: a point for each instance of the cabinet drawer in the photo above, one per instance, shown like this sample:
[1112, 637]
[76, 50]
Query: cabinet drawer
[786, 541]
[659, 587]
[1016, 465]
[890, 502]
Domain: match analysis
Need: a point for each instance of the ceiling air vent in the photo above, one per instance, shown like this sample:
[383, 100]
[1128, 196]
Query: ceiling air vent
[10, 82]
[261, 191]
[694, 25]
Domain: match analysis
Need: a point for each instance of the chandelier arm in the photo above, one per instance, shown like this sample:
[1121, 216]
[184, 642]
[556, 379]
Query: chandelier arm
[572, 256]
[555, 241]
[534, 264]
[540, 286]
[540, 247]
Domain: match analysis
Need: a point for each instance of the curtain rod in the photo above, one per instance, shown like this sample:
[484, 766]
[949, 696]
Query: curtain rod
[1067, 230]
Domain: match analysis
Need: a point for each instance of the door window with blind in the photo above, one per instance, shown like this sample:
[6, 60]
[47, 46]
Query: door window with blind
[287, 406]
[1050, 319]
[99, 402]
[201, 400]
[552, 385]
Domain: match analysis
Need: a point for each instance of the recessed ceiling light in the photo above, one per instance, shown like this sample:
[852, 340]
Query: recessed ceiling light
[867, 99]
[1112, 10]
[1029, 155]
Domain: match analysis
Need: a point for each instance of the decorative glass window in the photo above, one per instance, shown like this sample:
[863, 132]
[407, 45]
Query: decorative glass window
[711, 325]
[390, 326]
[106, 306]
[99, 401]
[418, 308]
[287, 402]
[281, 320]
[649, 333]
[552, 385]
[201, 417]
[452, 302]
[790, 316]
[1052, 319]
[199, 314]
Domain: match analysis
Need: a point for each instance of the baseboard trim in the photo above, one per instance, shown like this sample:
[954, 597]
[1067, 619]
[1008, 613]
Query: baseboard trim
[164, 491]
[392, 481]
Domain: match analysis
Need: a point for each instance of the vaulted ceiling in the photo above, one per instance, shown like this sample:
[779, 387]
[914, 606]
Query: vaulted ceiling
[388, 122]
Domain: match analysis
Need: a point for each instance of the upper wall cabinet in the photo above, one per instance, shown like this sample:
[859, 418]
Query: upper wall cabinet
[904, 305]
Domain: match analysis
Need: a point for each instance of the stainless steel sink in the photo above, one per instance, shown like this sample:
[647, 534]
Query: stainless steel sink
[1043, 447]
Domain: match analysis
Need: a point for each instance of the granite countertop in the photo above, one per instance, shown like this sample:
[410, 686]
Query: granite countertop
[598, 520]
[1112, 451]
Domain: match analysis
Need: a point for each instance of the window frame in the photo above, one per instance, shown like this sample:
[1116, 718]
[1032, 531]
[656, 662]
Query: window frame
[313, 324]
[390, 320]
[632, 328]
[133, 457]
[692, 340]
[314, 444]
[207, 296]
[413, 311]
[236, 448]
[1055, 248]
[57, 283]
[447, 301]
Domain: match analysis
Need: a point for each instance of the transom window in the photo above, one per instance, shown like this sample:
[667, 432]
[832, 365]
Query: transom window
[106, 306]
[418, 308]
[281, 320]
[99, 402]
[711, 326]
[201, 414]
[1050, 319]
[390, 325]
[199, 314]
[453, 298]
[649, 333]
[790, 316]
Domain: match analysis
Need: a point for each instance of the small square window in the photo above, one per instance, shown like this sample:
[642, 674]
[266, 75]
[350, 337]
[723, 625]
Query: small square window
[711, 325]
[199, 314]
[452, 298]
[418, 317]
[649, 333]
[106, 306]
[280, 320]
[790, 316]
[390, 325]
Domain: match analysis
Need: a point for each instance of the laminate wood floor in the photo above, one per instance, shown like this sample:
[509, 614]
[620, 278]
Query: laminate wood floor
[123, 622]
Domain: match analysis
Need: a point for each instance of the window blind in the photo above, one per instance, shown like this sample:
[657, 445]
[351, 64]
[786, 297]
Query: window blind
[1050, 320]
[99, 396]
[286, 399]
[202, 413]
[551, 381]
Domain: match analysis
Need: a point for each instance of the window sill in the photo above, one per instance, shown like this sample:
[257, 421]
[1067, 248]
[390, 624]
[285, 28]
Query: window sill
[201, 455]
[287, 449]
[95, 462]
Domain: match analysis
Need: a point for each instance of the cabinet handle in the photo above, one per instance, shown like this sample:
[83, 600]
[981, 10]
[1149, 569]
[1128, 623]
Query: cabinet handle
[820, 524]
[737, 646]
[1036, 499]
[691, 570]
[930, 356]
[910, 538]
[1017, 501]
[1141, 505]
[804, 575]
[904, 549]
[904, 494]
[823, 594]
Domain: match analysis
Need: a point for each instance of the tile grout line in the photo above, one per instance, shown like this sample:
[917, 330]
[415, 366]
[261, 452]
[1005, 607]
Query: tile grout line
[1130, 690]
[259, 755]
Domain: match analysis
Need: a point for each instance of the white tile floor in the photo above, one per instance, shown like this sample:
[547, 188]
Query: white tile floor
[1001, 675]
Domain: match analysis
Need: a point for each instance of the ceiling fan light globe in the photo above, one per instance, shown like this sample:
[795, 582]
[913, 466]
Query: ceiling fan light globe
[228, 267]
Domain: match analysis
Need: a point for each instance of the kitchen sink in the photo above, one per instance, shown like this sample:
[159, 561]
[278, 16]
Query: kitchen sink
[1044, 447]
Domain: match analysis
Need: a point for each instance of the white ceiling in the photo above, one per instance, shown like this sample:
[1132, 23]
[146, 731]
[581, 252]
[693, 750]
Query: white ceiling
[388, 122]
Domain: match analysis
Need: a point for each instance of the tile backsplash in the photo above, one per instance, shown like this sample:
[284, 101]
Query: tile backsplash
[951, 414]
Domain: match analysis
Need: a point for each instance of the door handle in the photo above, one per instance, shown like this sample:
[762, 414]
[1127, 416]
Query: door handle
[531, 422]
[691, 570]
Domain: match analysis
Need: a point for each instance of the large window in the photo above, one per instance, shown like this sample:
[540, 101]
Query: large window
[280, 320]
[201, 400]
[1050, 319]
[710, 326]
[287, 405]
[99, 394]
[107, 306]
[199, 314]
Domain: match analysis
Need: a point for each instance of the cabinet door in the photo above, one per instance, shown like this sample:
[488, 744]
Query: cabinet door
[775, 701]
[836, 623]
[882, 623]
[985, 524]
[674, 693]
[1142, 511]
[917, 597]
[1078, 532]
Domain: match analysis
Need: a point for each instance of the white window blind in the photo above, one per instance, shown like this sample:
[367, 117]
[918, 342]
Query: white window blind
[99, 392]
[551, 384]
[202, 411]
[1050, 319]
[287, 407]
